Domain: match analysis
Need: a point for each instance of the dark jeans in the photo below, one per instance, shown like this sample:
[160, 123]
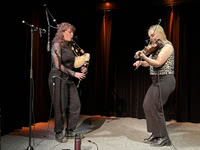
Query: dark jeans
[162, 85]
[66, 103]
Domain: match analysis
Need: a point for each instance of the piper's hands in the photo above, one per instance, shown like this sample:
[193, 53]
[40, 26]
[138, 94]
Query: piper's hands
[83, 69]
[79, 75]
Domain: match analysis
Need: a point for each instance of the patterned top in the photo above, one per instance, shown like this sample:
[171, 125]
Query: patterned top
[167, 67]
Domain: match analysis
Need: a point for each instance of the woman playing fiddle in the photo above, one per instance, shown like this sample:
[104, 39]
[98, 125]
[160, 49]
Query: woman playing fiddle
[161, 64]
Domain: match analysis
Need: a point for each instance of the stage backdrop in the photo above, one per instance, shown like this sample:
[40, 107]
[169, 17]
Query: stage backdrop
[112, 87]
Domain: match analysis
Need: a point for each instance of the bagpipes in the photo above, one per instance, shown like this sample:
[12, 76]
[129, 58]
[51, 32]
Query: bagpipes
[81, 58]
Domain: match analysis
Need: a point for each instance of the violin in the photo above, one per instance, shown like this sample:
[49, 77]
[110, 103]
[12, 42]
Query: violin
[151, 48]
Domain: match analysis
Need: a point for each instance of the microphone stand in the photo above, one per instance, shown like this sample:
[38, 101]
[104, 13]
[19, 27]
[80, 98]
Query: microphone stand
[49, 25]
[33, 28]
[47, 12]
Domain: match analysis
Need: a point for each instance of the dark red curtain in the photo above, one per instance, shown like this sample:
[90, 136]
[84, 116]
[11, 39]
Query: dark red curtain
[103, 34]
[129, 87]
[114, 88]
[41, 65]
[171, 24]
[180, 24]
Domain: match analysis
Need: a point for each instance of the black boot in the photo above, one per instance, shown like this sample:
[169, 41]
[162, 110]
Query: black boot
[60, 137]
[162, 141]
[70, 133]
[149, 139]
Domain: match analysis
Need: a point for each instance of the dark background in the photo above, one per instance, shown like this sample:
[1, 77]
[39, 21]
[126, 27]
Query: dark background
[112, 87]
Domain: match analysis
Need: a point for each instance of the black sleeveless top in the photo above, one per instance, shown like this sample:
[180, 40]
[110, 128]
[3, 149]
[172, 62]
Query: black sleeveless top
[63, 57]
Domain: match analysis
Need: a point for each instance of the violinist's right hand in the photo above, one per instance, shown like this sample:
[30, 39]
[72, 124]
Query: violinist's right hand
[137, 64]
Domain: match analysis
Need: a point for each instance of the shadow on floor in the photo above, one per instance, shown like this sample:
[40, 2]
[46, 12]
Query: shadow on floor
[90, 124]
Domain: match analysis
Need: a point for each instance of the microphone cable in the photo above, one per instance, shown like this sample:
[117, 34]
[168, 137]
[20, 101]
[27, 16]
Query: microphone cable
[93, 143]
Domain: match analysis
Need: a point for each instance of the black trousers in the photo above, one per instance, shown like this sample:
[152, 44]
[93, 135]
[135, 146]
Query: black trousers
[157, 95]
[66, 103]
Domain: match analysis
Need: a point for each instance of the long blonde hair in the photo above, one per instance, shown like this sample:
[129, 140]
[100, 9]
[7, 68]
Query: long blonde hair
[160, 32]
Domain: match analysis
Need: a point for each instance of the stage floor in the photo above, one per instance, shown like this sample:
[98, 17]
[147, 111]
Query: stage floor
[104, 133]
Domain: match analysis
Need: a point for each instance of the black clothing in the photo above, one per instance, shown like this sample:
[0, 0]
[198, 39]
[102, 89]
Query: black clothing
[163, 84]
[63, 90]
[153, 104]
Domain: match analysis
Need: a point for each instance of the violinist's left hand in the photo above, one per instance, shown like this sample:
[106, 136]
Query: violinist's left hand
[141, 54]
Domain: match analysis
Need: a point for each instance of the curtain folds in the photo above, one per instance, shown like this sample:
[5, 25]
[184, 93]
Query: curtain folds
[102, 59]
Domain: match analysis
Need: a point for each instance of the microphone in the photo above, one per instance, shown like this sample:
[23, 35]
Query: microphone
[42, 30]
[147, 41]
[75, 38]
[159, 21]
[31, 25]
